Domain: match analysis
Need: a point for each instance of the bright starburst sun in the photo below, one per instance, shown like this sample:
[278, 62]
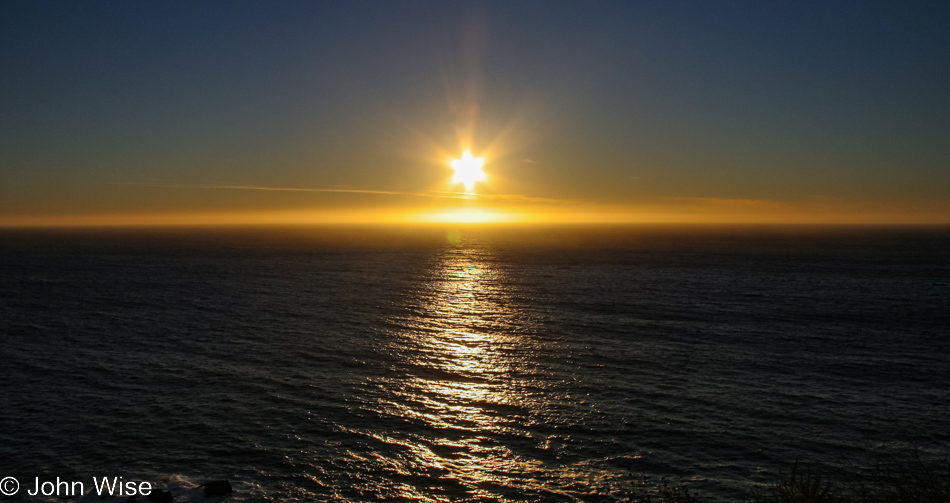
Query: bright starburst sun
[468, 169]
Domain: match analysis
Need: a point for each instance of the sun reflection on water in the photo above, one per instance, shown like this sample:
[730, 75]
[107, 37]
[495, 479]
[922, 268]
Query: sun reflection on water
[456, 388]
[461, 410]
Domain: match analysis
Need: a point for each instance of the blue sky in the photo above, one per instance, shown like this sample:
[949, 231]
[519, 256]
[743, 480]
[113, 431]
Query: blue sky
[795, 107]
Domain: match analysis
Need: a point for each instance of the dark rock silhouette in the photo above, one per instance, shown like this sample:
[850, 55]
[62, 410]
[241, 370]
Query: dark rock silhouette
[160, 496]
[216, 488]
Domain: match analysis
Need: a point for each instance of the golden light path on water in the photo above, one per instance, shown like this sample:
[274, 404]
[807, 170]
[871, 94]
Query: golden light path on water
[463, 354]
[467, 403]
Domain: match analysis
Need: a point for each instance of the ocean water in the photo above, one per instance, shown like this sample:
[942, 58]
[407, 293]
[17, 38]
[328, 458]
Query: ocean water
[467, 364]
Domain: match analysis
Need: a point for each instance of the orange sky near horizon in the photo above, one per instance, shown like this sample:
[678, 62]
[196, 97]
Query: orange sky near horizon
[693, 212]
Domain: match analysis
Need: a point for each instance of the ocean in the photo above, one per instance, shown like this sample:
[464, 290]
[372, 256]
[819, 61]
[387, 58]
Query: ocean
[511, 363]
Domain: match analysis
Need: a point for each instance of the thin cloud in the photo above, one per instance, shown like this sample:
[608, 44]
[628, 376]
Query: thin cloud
[431, 194]
[720, 202]
[286, 189]
[509, 197]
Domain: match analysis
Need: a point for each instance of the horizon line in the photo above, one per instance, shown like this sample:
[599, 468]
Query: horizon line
[471, 216]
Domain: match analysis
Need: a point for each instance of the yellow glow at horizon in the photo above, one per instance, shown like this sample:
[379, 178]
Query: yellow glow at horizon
[495, 214]
[468, 169]
[465, 216]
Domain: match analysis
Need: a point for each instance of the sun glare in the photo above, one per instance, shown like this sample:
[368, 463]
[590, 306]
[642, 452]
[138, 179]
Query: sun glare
[468, 169]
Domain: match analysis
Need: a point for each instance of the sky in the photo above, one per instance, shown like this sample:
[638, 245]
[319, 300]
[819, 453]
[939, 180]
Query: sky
[589, 111]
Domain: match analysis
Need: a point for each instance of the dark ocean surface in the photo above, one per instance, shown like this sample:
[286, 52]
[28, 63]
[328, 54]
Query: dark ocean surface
[468, 364]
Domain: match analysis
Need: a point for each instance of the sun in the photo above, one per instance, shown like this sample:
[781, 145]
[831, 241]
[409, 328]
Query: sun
[468, 169]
